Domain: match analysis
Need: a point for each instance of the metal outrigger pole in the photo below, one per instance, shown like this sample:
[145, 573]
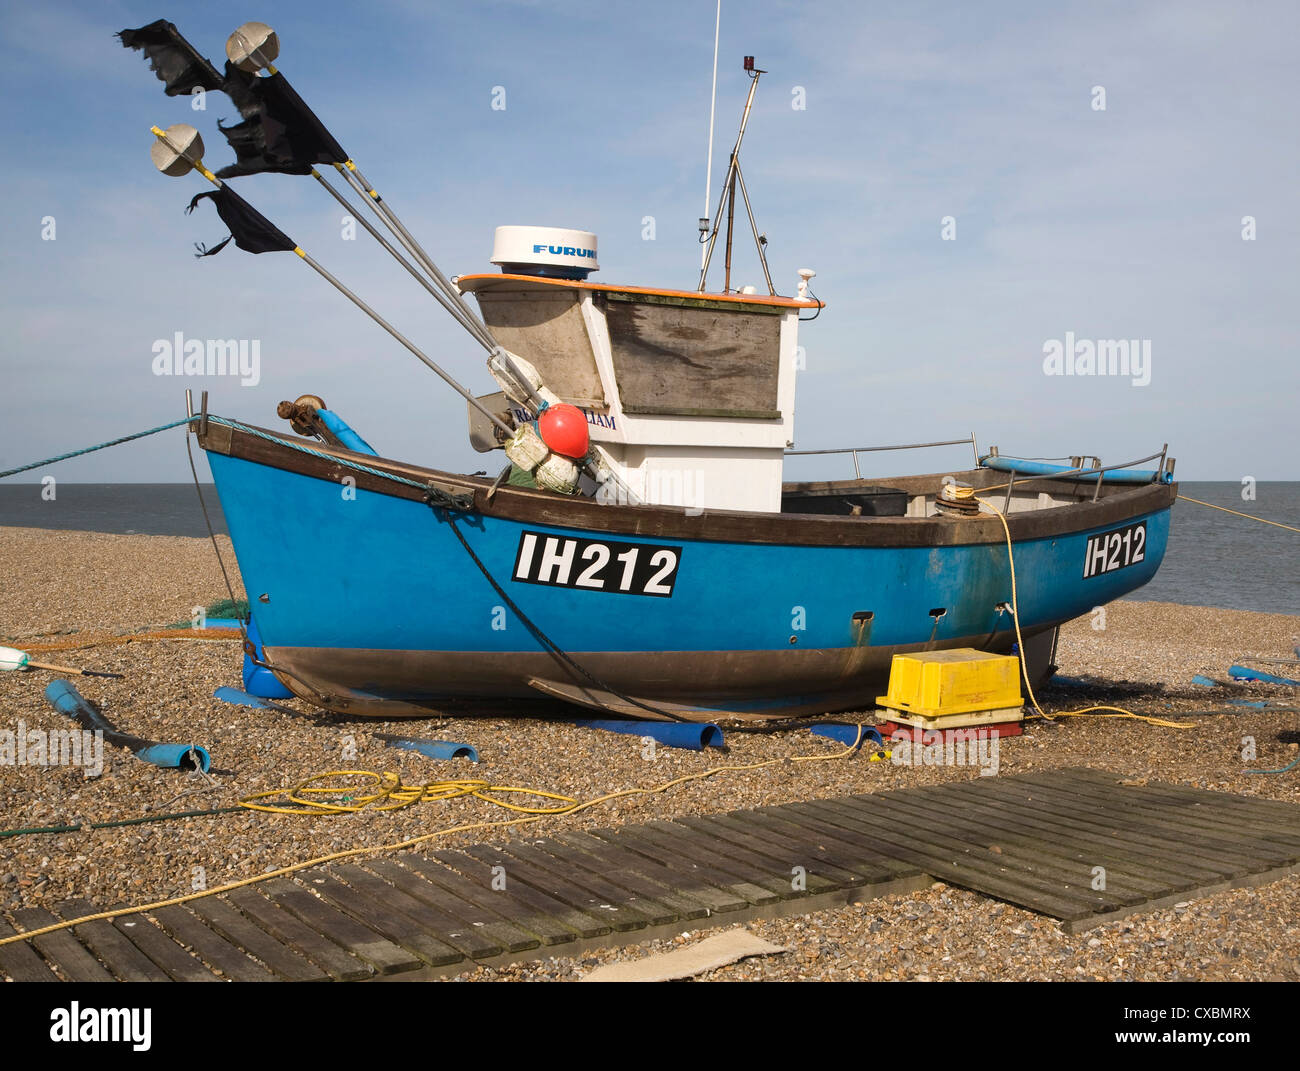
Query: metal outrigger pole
[180, 149]
[253, 47]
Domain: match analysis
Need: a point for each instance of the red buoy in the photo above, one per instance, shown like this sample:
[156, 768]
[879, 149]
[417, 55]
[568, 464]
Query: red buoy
[564, 429]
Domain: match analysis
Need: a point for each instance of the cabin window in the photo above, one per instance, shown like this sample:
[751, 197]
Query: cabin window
[678, 356]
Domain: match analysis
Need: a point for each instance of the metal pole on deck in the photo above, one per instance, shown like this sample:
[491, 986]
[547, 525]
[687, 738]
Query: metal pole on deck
[731, 222]
[708, 167]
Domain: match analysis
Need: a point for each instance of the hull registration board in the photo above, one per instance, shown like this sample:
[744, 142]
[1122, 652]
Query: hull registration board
[1107, 552]
[597, 565]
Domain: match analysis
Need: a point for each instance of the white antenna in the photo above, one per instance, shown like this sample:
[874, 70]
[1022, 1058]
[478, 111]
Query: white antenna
[708, 170]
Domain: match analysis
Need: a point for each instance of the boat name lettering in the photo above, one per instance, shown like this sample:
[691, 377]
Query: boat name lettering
[597, 565]
[1108, 551]
[596, 420]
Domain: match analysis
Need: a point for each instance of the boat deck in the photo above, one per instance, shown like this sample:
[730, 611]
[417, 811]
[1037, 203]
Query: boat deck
[1033, 840]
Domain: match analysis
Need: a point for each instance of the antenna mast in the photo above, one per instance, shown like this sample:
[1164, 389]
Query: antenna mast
[708, 168]
[729, 193]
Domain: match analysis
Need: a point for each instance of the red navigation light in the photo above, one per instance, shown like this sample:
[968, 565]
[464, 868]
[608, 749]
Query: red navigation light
[749, 63]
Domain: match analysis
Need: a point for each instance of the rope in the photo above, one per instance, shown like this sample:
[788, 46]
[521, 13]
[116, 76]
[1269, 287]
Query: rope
[446, 502]
[436, 497]
[390, 795]
[212, 534]
[411, 842]
[554, 648]
[118, 822]
[1284, 769]
[1116, 712]
[304, 449]
[92, 449]
[1248, 516]
[134, 637]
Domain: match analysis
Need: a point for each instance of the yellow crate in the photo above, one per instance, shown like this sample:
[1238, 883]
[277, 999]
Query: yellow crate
[939, 683]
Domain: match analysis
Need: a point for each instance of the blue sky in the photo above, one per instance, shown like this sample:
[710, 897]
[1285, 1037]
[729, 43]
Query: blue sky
[1122, 223]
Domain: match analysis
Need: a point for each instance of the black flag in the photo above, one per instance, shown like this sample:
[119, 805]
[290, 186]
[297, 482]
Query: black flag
[173, 59]
[251, 230]
[279, 131]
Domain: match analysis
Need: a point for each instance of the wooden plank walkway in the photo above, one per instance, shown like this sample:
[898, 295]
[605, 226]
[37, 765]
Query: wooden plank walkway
[1078, 845]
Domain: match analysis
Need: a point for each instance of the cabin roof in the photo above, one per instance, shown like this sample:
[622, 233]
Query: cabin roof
[485, 281]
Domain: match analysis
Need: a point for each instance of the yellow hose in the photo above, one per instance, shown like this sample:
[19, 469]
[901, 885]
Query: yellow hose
[441, 791]
[391, 795]
[1117, 712]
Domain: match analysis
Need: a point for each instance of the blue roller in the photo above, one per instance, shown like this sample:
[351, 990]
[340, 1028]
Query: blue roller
[1241, 673]
[346, 436]
[1043, 468]
[1206, 681]
[67, 700]
[221, 622]
[691, 736]
[847, 734]
[434, 749]
[175, 756]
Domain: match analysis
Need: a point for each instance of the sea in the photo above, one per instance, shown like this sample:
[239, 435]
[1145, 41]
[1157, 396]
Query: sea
[1214, 558]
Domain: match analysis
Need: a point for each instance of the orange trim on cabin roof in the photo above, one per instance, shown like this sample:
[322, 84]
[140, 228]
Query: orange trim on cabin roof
[744, 299]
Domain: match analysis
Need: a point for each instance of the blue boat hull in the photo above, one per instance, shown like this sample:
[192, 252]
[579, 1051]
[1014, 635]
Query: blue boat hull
[368, 602]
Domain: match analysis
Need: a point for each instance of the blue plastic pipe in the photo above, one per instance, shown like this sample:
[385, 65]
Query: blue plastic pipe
[1043, 468]
[690, 736]
[173, 756]
[67, 700]
[434, 749]
[847, 734]
[344, 432]
[1241, 673]
[1206, 681]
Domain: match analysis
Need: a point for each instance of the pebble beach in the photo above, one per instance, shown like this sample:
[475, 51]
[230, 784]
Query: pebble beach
[81, 597]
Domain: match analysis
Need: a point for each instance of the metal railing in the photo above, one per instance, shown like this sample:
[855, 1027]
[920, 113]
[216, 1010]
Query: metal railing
[1099, 469]
[856, 450]
[1157, 477]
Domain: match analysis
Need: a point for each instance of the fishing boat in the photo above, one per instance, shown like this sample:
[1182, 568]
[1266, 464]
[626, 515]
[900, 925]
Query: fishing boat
[652, 561]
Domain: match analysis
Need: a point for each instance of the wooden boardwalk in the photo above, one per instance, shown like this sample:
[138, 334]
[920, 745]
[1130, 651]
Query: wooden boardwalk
[1079, 845]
